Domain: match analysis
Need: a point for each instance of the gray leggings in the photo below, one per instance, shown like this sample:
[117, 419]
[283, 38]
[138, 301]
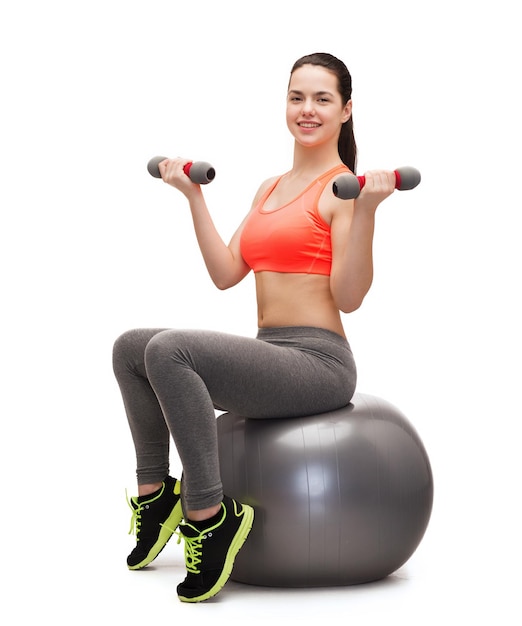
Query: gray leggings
[173, 380]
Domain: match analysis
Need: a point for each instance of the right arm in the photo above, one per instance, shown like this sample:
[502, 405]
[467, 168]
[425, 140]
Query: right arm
[224, 262]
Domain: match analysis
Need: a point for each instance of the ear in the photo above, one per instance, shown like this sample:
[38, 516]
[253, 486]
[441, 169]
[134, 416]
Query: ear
[347, 111]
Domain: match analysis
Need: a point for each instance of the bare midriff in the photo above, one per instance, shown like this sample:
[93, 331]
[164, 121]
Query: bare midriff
[296, 300]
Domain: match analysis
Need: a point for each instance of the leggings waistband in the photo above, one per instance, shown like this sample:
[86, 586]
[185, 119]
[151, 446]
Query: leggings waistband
[277, 333]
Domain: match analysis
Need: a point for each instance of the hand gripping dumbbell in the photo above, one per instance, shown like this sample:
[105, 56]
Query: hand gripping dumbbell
[199, 172]
[348, 186]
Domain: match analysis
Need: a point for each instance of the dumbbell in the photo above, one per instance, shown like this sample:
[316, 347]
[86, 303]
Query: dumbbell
[199, 172]
[348, 186]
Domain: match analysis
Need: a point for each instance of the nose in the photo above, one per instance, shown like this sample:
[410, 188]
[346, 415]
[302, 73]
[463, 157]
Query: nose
[308, 107]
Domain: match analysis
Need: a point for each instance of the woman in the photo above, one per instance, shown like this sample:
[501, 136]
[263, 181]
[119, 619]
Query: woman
[312, 258]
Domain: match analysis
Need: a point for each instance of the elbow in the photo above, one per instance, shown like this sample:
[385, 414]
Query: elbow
[227, 276]
[349, 301]
[350, 306]
[227, 281]
[222, 285]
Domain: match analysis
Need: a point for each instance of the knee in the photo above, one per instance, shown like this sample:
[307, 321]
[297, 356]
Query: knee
[125, 350]
[158, 350]
[166, 349]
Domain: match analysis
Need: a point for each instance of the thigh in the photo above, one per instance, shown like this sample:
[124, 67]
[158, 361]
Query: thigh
[255, 378]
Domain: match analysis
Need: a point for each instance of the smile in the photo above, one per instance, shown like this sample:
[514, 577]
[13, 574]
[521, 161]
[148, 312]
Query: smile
[308, 125]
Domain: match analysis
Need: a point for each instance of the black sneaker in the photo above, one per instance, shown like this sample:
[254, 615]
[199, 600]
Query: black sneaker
[211, 549]
[154, 519]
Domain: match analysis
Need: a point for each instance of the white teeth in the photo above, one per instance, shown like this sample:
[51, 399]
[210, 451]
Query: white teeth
[308, 125]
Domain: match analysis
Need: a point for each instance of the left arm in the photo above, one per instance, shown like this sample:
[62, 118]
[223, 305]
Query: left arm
[352, 229]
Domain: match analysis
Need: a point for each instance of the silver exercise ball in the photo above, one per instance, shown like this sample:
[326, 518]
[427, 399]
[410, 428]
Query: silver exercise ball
[340, 498]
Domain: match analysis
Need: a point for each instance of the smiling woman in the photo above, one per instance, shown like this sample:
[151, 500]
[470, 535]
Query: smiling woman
[338, 86]
[311, 254]
[315, 116]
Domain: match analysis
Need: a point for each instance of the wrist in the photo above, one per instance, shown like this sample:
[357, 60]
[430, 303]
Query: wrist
[194, 194]
[365, 209]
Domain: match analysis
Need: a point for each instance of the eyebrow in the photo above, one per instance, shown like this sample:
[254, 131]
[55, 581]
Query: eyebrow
[318, 93]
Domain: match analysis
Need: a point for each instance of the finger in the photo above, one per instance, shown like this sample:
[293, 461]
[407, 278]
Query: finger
[381, 180]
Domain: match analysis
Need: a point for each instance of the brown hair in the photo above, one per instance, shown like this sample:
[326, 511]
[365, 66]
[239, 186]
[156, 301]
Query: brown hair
[346, 145]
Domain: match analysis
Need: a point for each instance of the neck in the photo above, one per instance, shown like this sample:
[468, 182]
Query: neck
[316, 160]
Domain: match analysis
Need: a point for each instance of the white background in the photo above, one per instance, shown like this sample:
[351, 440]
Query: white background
[91, 245]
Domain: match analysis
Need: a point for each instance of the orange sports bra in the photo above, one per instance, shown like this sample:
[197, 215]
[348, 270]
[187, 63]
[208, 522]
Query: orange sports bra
[293, 238]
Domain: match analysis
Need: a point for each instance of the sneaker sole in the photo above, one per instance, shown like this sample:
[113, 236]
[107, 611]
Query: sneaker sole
[167, 530]
[236, 545]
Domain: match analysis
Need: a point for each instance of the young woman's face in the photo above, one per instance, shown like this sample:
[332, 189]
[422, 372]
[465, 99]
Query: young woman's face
[314, 108]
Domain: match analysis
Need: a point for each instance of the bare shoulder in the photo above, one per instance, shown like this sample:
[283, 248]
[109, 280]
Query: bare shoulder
[335, 210]
[263, 188]
[265, 185]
